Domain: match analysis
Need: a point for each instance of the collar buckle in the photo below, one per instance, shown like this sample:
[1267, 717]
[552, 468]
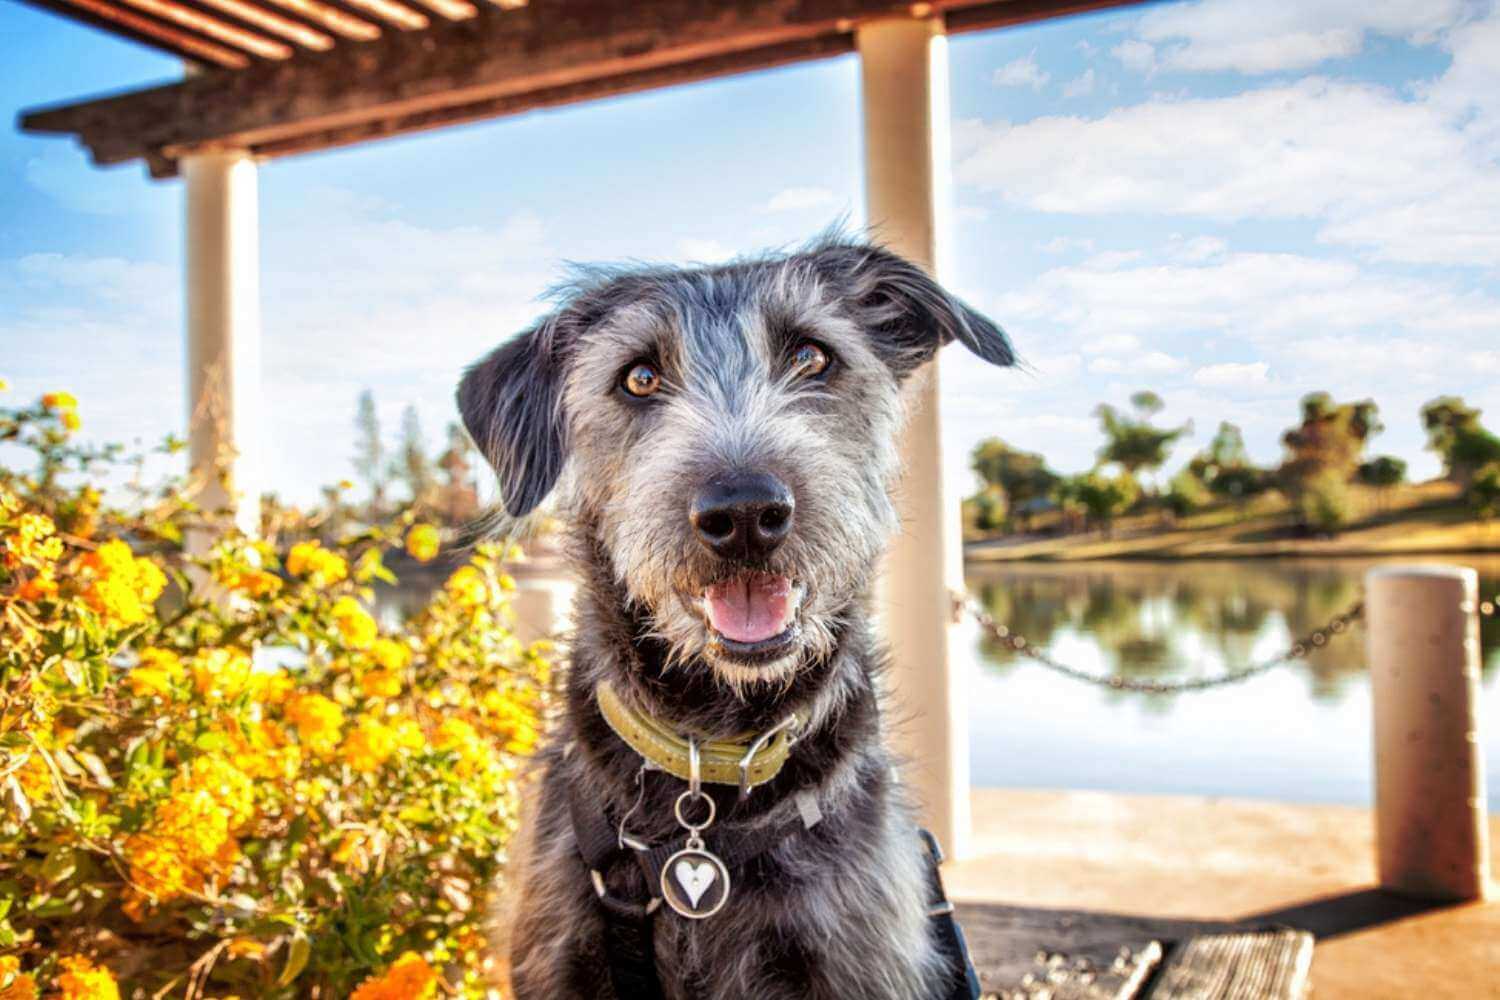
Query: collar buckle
[787, 725]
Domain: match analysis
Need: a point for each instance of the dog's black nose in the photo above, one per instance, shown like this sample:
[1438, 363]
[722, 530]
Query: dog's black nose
[743, 516]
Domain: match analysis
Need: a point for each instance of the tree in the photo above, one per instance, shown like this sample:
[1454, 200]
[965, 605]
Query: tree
[1023, 475]
[1484, 492]
[1133, 442]
[459, 500]
[1329, 441]
[1323, 502]
[1383, 472]
[415, 468]
[1186, 493]
[369, 452]
[987, 508]
[1455, 433]
[1102, 497]
[1225, 467]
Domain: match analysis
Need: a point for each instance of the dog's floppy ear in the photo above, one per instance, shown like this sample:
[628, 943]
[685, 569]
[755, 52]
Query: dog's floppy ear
[907, 314]
[511, 404]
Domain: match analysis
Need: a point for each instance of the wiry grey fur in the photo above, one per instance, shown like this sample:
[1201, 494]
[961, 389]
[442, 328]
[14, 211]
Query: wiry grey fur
[835, 911]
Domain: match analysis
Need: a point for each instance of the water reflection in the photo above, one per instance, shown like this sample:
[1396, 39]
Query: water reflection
[1170, 621]
[1299, 732]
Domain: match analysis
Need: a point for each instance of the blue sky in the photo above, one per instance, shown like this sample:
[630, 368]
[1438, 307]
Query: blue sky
[1229, 202]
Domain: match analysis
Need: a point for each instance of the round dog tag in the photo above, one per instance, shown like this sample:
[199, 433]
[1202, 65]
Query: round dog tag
[695, 883]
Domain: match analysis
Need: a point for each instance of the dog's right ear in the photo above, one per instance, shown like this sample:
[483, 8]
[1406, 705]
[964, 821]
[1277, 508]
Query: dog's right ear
[511, 404]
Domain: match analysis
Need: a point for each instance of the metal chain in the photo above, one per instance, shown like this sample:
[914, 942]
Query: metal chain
[1317, 639]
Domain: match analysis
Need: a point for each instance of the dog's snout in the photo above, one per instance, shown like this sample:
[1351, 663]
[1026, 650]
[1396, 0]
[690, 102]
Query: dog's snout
[743, 516]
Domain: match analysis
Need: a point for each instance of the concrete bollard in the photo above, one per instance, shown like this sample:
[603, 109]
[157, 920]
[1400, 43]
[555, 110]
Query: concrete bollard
[1431, 829]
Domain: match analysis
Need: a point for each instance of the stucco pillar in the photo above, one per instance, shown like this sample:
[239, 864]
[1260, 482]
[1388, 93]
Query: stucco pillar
[223, 334]
[1431, 830]
[904, 76]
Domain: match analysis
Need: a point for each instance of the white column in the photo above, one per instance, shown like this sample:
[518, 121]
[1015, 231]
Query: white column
[1431, 830]
[223, 333]
[904, 74]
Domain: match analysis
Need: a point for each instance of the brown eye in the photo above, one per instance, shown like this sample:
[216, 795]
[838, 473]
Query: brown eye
[809, 359]
[641, 380]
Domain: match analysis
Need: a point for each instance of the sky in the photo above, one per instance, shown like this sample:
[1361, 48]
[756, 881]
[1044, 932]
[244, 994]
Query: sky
[1229, 202]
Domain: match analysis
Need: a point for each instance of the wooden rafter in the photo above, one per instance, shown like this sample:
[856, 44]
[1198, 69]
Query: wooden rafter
[490, 63]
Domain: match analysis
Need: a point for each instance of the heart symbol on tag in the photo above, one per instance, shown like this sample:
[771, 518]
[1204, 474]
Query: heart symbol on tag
[695, 879]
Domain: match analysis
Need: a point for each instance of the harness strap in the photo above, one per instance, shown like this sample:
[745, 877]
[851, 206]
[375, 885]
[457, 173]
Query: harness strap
[628, 925]
[964, 982]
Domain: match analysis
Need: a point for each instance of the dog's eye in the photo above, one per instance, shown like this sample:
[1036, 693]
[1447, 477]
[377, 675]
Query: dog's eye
[641, 380]
[810, 359]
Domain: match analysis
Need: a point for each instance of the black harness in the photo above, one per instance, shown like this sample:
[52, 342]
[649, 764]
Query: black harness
[628, 924]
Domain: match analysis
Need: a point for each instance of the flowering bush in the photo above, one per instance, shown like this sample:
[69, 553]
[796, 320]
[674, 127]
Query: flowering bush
[219, 775]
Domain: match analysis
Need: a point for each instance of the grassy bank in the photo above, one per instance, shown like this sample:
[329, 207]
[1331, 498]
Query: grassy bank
[1407, 520]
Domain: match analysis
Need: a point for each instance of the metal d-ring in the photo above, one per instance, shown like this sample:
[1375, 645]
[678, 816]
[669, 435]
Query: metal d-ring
[693, 828]
[755, 748]
[695, 767]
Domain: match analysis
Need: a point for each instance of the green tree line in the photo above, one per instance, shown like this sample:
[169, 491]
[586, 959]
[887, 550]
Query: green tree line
[1324, 452]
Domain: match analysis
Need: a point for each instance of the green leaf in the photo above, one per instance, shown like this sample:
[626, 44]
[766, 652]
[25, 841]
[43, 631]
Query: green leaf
[298, 952]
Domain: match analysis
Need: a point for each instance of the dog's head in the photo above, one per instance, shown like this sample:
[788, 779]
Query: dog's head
[728, 433]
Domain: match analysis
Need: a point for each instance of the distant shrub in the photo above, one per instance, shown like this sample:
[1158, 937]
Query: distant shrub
[220, 775]
[1185, 494]
[1324, 504]
[1484, 491]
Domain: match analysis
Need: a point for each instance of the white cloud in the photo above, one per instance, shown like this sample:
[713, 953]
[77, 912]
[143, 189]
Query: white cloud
[703, 251]
[1399, 178]
[1136, 55]
[1068, 244]
[1118, 343]
[800, 199]
[1233, 375]
[1150, 363]
[1080, 86]
[1252, 36]
[1022, 72]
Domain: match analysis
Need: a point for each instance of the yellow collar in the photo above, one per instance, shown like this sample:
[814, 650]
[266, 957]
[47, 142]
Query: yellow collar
[746, 761]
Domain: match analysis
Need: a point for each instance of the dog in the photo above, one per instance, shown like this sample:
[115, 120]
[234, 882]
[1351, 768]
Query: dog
[722, 443]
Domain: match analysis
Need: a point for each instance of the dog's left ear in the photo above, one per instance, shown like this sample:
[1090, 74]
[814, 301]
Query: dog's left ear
[511, 404]
[907, 314]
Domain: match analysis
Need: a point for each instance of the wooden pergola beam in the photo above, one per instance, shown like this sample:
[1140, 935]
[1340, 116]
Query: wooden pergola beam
[498, 62]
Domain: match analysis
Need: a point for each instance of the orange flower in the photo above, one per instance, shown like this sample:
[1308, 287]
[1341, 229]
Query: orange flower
[410, 978]
[22, 985]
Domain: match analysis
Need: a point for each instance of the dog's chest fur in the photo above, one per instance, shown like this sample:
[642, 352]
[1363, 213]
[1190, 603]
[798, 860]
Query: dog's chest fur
[835, 911]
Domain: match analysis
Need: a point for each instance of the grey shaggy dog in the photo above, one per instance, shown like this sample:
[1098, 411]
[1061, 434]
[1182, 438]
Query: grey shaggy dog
[722, 443]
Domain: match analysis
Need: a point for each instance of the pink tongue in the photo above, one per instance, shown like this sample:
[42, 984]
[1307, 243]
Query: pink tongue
[750, 608]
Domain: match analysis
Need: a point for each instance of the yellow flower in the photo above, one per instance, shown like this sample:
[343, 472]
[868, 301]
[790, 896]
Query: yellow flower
[154, 675]
[22, 985]
[369, 746]
[410, 978]
[354, 624]
[380, 684]
[122, 589]
[60, 401]
[316, 564]
[390, 654]
[269, 686]
[319, 721]
[221, 674]
[467, 587]
[70, 420]
[83, 980]
[4, 385]
[422, 542]
[408, 733]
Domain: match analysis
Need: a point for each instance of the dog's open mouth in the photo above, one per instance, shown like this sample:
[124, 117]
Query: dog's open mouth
[754, 615]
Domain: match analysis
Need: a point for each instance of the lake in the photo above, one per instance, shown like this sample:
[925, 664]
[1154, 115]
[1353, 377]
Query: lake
[1299, 733]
